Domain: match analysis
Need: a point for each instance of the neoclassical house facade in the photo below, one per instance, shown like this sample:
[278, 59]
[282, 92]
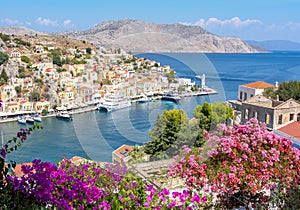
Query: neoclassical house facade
[272, 112]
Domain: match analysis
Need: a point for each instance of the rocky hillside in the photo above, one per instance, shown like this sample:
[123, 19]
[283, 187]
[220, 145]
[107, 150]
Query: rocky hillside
[18, 30]
[140, 36]
[27, 45]
[2, 45]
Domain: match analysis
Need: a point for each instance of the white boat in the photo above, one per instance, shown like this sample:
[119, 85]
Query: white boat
[29, 120]
[37, 118]
[144, 99]
[21, 120]
[113, 102]
[171, 97]
[64, 115]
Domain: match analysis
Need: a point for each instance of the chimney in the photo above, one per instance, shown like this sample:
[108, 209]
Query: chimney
[277, 97]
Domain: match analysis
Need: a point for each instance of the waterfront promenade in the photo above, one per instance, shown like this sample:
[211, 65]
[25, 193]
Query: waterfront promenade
[74, 111]
[13, 117]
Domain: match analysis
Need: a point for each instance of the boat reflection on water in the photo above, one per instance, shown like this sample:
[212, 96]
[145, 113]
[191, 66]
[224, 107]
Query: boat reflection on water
[174, 97]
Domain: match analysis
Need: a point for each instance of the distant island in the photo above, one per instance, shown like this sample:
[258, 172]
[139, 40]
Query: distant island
[274, 45]
[140, 36]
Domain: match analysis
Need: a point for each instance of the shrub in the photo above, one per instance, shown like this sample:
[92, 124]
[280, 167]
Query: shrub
[243, 165]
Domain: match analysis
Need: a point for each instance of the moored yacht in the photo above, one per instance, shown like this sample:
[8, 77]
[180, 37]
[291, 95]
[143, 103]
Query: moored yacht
[21, 120]
[144, 99]
[113, 102]
[29, 120]
[37, 118]
[64, 115]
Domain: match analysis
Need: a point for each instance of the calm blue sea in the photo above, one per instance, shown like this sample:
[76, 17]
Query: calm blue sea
[97, 134]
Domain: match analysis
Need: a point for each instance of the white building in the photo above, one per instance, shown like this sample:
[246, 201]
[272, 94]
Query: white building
[185, 81]
[255, 88]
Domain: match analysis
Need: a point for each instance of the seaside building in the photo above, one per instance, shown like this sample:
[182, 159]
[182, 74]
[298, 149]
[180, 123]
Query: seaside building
[186, 81]
[147, 85]
[40, 105]
[26, 106]
[11, 107]
[291, 131]
[86, 93]
[121, 155]
[251, 89]
[272, 112]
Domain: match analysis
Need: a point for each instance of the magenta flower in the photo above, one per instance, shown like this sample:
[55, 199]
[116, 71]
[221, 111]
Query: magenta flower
[196, 198]
[245, 159]
[3, 153]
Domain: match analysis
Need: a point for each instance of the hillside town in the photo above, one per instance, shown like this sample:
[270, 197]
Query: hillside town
[44, 74]
[49, 75]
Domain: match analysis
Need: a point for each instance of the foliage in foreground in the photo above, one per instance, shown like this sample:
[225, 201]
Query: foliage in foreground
[244, 166]
[241, 166]
[10, 199]
[87, 186]
[84, 186]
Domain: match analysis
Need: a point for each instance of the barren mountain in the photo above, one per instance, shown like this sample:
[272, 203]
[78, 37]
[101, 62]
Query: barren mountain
[140, 36]
[18, 30]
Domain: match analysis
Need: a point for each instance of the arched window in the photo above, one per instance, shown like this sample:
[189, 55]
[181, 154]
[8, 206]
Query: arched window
[254, 114]
[292, 116]
[267, 118]
[246, 114]
[298, 117]
[280, 119]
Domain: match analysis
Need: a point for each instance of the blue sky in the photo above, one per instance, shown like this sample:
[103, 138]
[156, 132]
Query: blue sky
[247, 19]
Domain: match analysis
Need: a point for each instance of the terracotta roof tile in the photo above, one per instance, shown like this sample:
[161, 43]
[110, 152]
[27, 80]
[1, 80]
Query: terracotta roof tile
[18, 169]
[145, 80]
[120, 150]
[259, 85]
[292, 129]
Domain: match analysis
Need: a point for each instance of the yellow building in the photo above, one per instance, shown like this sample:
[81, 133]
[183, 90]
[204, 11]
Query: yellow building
[12, 107]
[26, 106]
[40, 105]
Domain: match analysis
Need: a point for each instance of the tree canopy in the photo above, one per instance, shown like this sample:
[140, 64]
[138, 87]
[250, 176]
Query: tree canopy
[88, 50]
[174, 130]
[210, 115]
[3, 77]
[3, 57]
[35, 96]
[165, 132]
[285, 91]
[25, 59]
[171, 75]
[4, 37]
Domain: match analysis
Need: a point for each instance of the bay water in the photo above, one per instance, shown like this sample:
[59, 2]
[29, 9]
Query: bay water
[96, 134]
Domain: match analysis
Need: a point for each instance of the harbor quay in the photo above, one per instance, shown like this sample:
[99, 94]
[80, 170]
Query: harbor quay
[13, 116]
